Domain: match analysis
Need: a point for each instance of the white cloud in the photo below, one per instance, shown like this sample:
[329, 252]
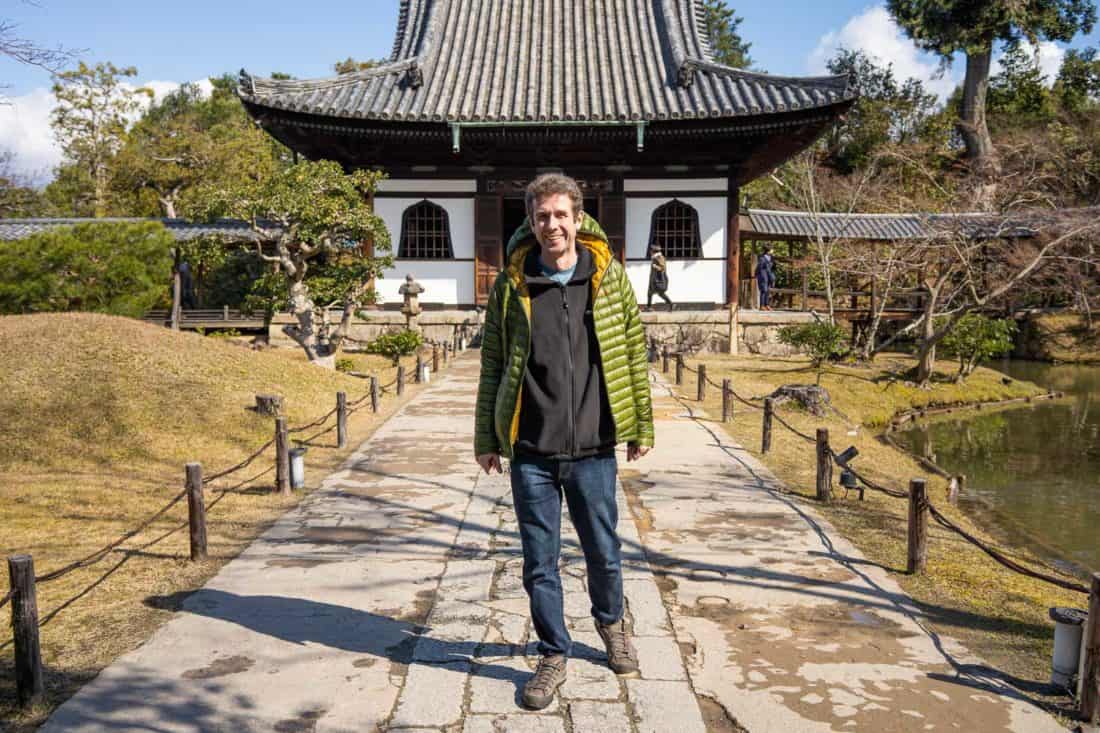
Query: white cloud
[874, 32]
[1050, 59]
[25, 128]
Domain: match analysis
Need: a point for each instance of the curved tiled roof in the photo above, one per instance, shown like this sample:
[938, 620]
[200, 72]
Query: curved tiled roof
[182, 230]
[890, 227]
[548, 61]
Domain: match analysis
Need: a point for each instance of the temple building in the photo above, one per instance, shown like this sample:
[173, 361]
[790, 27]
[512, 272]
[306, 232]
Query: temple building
[479, 96]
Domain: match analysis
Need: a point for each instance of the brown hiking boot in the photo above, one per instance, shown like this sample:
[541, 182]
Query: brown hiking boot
[549, 675]
[621, 655]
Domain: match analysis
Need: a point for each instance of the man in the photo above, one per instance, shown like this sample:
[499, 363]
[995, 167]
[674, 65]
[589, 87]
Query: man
[564, 378]
[658, 278]
[765, 277]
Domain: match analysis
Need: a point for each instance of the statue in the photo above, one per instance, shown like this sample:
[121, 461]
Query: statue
[411, 291]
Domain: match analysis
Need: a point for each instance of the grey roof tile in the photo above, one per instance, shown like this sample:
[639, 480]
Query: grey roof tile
[182, 230]
[548, 61]
[889, 227]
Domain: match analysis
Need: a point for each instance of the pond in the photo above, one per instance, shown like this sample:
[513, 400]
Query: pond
[1033, 471]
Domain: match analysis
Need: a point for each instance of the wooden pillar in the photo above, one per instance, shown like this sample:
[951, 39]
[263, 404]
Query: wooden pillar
[341, 419]
[918, 527]
[24, 621]
[824, 467]
[766, 430]
[733, 242]
[282, 456]
[177, 300]
[727, 401]
[701, 387]
[196, 511]
[1090, 648]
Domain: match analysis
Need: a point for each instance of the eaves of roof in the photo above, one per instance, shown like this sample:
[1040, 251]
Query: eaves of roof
[583, 61]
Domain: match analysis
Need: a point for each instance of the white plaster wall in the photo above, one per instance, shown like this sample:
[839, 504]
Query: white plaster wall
[451, 283]
[398, 185]
[445, 282]
[675, 184]
[688, 280]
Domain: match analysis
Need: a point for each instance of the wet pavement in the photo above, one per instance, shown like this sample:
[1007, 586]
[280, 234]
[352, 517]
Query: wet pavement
[390, 600]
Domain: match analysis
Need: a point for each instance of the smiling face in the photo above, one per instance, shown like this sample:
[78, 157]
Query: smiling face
[555, 225]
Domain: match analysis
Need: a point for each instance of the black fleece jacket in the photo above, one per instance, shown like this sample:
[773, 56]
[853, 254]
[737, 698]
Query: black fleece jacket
[564, 411]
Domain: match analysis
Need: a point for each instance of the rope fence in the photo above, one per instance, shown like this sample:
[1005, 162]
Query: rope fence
[23, 591]
[999, 555]
[920, 509]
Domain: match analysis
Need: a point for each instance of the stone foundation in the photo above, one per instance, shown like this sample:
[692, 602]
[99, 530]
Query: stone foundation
[699, 330]
[436, 325]
[696, 330]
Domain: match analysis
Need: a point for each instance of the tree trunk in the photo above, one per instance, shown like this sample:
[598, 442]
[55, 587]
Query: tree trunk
[926, 353]
[306, 334]
[980, 152]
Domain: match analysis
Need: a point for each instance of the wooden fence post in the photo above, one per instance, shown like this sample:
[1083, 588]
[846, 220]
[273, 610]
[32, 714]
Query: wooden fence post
[374, 394]
[701, 389]
[824, 467]
[282, 456]
[400, 380]
[435, 359]
[445, 350]
[341, 419]
[196, 511]
[727, 402]
[1090, 669]
[664, 360]
[918, 527]
[679, 369]
[766, 431]
[24, 621]
[419, 368]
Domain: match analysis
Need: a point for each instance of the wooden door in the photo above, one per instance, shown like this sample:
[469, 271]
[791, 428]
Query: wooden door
[488, 247]
[612, 218]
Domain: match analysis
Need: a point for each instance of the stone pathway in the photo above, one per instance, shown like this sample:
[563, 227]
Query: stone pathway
[390, 600]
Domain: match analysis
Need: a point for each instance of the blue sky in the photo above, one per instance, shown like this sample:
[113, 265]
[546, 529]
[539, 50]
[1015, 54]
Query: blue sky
[192, 40]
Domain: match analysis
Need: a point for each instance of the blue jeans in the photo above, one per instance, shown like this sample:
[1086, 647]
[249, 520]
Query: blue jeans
[589, 488]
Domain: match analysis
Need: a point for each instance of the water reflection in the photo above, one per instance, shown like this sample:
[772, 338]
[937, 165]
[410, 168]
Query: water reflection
[1035, 469]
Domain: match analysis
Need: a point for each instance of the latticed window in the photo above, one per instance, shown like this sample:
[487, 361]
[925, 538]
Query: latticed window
[675, 229]
[425, 233]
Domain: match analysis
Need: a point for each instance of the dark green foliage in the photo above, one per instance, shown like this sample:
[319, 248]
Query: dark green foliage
[888, 110]
[1018, 94]
[725, 39]
[822, 341]
[975, 338]
[344, 364]
[947, 26]
[396, 344]
[268, 295]
[1078, 86]
[121, 269]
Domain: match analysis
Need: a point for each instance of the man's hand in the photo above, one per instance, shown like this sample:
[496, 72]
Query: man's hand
[489, 461]
[634, 452]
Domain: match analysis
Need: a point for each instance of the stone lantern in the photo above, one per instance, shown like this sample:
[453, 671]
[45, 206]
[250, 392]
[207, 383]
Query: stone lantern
[411, 291]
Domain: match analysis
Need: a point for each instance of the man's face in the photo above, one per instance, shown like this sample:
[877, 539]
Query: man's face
[555, 224]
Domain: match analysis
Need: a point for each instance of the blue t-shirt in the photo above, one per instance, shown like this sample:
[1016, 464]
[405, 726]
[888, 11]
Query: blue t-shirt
[561, 277]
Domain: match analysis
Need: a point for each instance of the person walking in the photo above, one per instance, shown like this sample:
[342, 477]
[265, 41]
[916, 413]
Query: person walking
[658, 278]
[765, 277]
[564, 379]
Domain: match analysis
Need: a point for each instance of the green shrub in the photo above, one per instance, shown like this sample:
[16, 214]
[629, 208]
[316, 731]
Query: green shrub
[122, 269]
[225, 333]
[344, 364]
[822, 341]
[975, 338]
[396, 344]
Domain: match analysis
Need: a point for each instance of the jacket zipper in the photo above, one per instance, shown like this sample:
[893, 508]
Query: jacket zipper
[572, 381]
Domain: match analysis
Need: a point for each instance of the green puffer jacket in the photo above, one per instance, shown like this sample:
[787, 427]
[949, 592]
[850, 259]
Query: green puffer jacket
[506, 344]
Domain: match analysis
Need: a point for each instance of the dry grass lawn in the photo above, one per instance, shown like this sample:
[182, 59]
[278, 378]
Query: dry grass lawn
[1000, 615]
[98, 416]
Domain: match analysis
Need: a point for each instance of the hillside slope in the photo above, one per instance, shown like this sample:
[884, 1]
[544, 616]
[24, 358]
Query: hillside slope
[98, 416]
